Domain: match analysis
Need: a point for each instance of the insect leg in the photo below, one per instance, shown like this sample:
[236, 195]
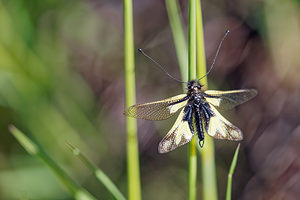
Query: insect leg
[189, 116]
[207, 114]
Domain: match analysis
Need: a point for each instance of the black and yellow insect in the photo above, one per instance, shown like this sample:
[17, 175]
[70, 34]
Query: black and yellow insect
[199, 108]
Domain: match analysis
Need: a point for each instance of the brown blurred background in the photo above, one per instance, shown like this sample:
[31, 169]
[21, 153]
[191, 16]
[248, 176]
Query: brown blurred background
[62, 79]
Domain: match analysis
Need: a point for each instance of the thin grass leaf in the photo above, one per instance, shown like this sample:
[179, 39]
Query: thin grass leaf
[33, 149]
[231, 171]
[208, 166]
[186, 73]
[178, 36]
[201, 59]
[192, 190]
[100, 175]
[133, 168]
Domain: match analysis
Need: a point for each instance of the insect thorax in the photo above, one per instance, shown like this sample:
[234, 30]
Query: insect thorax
[195, 93]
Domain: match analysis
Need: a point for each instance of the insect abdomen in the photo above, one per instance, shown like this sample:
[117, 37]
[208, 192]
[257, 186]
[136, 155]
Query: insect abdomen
[199, 125]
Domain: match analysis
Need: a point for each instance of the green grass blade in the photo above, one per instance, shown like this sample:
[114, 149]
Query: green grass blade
[100, 175]
[208, 170]
[201, 59]
[178, 36]
[208, 167]
[192, 190]
[133, 169]
[187, 73]
[34, 150]
[231, 171]
[192, 170]
[192, 40]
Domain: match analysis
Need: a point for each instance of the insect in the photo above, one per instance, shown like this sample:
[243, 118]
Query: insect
[199, 111]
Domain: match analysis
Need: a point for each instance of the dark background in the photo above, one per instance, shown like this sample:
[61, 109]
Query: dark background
[62, 79]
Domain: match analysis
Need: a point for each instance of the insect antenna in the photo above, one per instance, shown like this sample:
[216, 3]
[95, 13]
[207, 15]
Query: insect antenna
[215, 58]
[160, 67]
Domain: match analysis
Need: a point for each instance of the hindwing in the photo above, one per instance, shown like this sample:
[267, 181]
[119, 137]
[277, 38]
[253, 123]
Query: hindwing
[220, 128]
[179, 135]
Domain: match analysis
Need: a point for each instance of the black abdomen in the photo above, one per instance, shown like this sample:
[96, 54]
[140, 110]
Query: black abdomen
[202, 114]
[198, 114]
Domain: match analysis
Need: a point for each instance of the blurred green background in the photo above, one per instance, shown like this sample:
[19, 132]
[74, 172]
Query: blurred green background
[62, 80]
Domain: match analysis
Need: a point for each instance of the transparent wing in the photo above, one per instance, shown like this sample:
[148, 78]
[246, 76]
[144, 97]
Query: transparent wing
[220, 128]
[157, 110]
[226, 100]
[179, 135]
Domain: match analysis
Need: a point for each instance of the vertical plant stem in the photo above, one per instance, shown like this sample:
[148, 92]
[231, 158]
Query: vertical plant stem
[192, 40]
[230, 173]
[192, 75]
[178, 36]
[133, 170]
[201, 59]
[209, 183]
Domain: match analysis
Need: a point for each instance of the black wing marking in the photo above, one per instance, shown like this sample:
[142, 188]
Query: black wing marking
[179, 135]
[226, 100]
[157, 110]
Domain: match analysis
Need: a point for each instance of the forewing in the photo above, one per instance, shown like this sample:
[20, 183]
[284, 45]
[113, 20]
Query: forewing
[226, 100]
[179, 135]
[157, 110]
[220, 128]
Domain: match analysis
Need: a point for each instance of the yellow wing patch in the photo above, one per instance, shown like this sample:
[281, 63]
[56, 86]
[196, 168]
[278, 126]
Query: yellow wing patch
[157, 110]
[179, 135]
[220, 128]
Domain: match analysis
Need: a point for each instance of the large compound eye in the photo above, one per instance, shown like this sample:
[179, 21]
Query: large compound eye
[189, 86]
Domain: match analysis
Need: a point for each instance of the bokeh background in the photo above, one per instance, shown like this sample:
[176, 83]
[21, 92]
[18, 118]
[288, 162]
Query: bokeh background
[62, 80]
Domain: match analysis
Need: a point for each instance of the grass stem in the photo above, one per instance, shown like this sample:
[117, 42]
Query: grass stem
[99, 174]
[33, 149]
[178, 36]
[133, 170]
[192, 75]
[230, 173]
[209, 183]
